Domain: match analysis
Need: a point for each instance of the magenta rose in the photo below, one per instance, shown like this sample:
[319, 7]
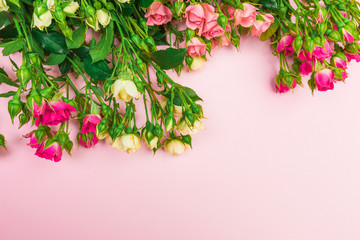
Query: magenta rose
[306, 68]
[321, 53]
[53, 113]
[88, 140]
[245, 17]
[324, 79]
[196, 47]
[285, 44]
[283, 88]
[50, 150]
[90, 122]
[261, 26]
[33, 143]
[158, 14]
[339, 62]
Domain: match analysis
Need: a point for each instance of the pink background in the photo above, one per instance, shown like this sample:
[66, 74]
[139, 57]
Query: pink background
[267, 167]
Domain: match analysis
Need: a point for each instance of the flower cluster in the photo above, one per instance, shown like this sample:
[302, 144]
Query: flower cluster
[109, 62]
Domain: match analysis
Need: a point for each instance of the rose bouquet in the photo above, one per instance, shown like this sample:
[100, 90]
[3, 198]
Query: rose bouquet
[97, 61]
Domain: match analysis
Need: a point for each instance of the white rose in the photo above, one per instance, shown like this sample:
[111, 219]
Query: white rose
[123, 1]
[93, 23]
[71, 8]
[3, 6]
[103, 17]
[107, 138]
[175, 147]
[125, 90]
[51, 5]
[127, 143]
[185, 129]
[198, 62]
[153, 142]
[177, 109]
[43, 21]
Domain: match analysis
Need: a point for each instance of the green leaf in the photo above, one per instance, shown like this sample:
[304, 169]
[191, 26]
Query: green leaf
[51, 41]
[272, 4]
[99, 70]
[127, 10]
[145, 3]
[9, 32]
[192, 94]
[4, 78]
[169, 58]
[11, 47]
[37, 48]
[177, 100]
[55, 59]
[8, 94]
[101, 50]
[2, 141]
[99, 91]
[78, 38]
[270, 32]
[82, 52]
[3, 18]
[65, 67]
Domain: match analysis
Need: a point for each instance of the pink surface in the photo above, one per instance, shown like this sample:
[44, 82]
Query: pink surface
[267, 167]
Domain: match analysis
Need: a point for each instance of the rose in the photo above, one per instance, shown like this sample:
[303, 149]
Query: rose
[3, 6]
[158, 14]
[347, 35]
[212, 29]
[261, 26]
[88, 140]
[324, 79]
[53, 113]
[186, 128]
[285, 44]
[196, 47]
[50, 5]
[93, 23]
[175, 147]
[43, 21]
[127, 143]
[50, 150]
[321, 53]
[33, 143]
[197, 63]
[245, 17]
[71, 8]
[123, 1]
[89, 123]
[103, 16]
[198, 15]
[283, 88]
[125, 90]
[306, 68]
[339, 62]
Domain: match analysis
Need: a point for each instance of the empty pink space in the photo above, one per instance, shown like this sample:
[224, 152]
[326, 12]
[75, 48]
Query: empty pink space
[267, 167]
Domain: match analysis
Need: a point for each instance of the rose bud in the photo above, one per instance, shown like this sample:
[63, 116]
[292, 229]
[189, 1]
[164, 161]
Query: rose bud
[50, 150]
[125, 90]
[103, 16]
[185, 127]
[127, 143]
[175, 146]
[3, 6]
[43, 20]
[324, 79]
[71, 8]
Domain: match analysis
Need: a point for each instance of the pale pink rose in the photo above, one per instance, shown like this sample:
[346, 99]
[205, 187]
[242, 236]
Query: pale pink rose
[324, 79]
[229, 12]
[89, 123]
[283, 88]
[198, 15]
[245, 17]
[50, 150]
[306, 68]
[285, 44]
[260, 26]
[158, 14]
[53, 113]
[224, 41]
[212, 29]
[196, 47]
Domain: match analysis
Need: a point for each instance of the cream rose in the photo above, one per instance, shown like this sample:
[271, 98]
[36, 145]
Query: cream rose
[103, 17]
[3, 6]
[197, 63]
[50, 5]
[125, 90]
[127, 143]
[175, 147]
[123, 1]
[43, 21]
[185, 129]
[93, 23]
[71, 8]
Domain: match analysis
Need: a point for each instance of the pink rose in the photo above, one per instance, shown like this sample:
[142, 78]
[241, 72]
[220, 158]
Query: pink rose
[306, 68]
[285, 44]
[347, 35]
[246, 17]
[350, 57]
[224, 41]
[283, 88]
[33, 143]
[324, 79]
[321, 53]
[158, 14]
[198, 15]
[88, 140]
[50, 150]
[261, 26]
[212, 30]
[196, 47]
[89, 123]
[339, 62]
[229, 12]
[53, 113]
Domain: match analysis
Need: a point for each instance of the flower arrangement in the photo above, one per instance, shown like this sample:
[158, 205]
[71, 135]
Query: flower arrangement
[112, 55]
